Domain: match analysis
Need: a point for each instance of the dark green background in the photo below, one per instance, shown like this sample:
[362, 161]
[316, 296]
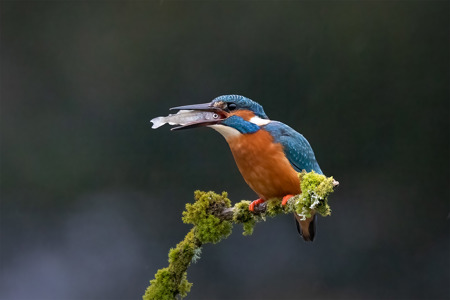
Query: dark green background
[91, 196]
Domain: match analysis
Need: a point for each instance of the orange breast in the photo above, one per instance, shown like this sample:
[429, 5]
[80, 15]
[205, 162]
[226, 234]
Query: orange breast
[264, 166]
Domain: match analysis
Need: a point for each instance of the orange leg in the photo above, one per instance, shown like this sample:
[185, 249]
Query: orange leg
[285, 199]
[252, 205]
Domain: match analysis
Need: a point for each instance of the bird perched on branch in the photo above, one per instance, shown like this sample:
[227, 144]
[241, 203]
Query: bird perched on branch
[268, 153]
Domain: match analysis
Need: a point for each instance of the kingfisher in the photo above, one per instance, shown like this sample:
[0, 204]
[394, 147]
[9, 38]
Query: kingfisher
[268, 153]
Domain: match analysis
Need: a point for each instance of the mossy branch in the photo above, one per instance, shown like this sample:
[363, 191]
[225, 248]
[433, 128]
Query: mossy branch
[213, 217]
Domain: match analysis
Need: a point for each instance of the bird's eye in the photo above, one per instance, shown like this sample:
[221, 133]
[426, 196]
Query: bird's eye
[231, 106]
[215, 116]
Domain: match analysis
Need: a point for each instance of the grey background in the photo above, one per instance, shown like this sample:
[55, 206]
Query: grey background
[91, 196]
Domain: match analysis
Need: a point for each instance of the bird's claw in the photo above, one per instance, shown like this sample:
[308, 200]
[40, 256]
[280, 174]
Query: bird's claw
[285, 199]
[252, 205]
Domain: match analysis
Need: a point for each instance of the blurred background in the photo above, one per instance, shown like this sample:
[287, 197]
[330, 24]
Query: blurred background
[91, 196]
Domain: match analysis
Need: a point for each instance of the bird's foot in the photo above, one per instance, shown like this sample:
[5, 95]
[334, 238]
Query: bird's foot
[252, 205]
[285, 199]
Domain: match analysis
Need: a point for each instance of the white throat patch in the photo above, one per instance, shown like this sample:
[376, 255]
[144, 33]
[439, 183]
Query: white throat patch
[226, 131]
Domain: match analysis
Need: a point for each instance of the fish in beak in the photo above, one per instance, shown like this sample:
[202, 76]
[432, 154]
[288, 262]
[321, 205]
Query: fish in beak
[191, 116]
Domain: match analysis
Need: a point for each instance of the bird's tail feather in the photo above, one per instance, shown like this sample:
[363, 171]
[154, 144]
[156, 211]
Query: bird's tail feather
[306, 228]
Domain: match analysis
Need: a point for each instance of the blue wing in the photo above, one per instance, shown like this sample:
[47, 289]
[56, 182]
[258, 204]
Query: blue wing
[295, 146]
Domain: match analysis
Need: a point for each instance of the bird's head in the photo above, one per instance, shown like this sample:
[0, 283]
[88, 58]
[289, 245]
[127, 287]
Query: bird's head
[236, 115]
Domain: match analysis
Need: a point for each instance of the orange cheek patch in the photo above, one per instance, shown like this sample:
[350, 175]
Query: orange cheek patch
[244, 114]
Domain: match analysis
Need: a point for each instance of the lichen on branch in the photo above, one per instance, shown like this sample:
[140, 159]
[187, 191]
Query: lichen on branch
[172, 281]
[213, 217]
[314, 197]
[204, 214]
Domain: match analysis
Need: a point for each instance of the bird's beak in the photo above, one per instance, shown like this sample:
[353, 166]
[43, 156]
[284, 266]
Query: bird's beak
[201, 122]
[201, 106]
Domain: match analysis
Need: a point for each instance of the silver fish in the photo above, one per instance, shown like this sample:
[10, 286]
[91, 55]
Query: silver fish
[184, 117]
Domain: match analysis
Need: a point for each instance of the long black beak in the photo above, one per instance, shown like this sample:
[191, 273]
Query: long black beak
[202, 106]
[206, 107]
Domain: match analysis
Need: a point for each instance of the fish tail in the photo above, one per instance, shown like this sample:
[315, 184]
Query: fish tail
[158, 122]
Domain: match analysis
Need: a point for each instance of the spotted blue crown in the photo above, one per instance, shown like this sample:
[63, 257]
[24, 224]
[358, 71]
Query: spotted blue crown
[243, 103]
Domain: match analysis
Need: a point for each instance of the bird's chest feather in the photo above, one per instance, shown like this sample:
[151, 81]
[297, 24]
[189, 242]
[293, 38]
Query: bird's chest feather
[264, 166]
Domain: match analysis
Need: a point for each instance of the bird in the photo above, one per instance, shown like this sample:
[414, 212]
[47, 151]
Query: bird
[268, 153]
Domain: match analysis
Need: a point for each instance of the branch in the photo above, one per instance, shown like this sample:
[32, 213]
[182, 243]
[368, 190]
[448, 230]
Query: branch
[259, 210]
[213, 219]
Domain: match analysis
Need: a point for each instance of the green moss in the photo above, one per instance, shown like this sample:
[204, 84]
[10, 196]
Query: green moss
[163, 287]
[183, 253]
[211, 225]
[243, 215]
[185, 286]
[172, 281]
[211, 229]
[314, 197]
[202, 214]
[274, 207]
[208, 228]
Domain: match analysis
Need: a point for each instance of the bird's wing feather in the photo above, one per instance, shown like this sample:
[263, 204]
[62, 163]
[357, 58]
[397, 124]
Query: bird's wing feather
[296, 148]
